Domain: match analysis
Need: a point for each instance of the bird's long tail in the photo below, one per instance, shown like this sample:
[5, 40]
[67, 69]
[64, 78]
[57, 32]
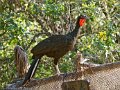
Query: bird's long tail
[31, 70]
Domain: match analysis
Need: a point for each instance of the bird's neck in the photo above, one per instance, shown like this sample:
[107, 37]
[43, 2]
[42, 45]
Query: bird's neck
[75, 33]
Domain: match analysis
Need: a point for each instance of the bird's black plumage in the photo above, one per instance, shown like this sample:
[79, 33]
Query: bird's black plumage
[55, 46]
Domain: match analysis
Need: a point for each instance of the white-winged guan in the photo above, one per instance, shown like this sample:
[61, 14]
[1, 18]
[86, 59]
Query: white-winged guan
[55, 46]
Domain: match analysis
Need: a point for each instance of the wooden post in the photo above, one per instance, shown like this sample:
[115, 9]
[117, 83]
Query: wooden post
[76, 85]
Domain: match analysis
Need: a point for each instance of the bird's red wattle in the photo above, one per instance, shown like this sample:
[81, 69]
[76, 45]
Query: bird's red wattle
[81, 22]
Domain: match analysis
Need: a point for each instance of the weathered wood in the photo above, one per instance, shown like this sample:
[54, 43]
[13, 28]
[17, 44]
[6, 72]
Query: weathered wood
[76, 85]
[105, 77]
[21, 61]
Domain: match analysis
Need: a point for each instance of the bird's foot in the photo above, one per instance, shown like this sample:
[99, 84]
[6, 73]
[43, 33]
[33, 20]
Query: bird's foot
[58, 73]
[57, 70]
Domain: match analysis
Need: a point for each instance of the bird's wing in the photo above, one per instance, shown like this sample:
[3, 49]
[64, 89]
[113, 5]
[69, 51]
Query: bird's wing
[50, 44]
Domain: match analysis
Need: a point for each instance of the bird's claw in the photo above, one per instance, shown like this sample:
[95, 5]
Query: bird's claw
[58, 73]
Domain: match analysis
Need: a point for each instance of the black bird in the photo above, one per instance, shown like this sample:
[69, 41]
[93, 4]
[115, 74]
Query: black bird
[55, 46]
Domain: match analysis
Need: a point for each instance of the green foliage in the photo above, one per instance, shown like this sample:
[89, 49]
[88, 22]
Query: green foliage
[27, 22]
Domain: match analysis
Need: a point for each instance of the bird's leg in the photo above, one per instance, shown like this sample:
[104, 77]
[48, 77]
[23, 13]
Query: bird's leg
[56, 66]
[57, 69]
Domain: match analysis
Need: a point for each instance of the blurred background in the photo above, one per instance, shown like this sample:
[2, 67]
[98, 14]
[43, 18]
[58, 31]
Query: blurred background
[27, 22]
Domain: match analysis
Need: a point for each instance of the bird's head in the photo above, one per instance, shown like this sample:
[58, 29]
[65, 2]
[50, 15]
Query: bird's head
[81, 20]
